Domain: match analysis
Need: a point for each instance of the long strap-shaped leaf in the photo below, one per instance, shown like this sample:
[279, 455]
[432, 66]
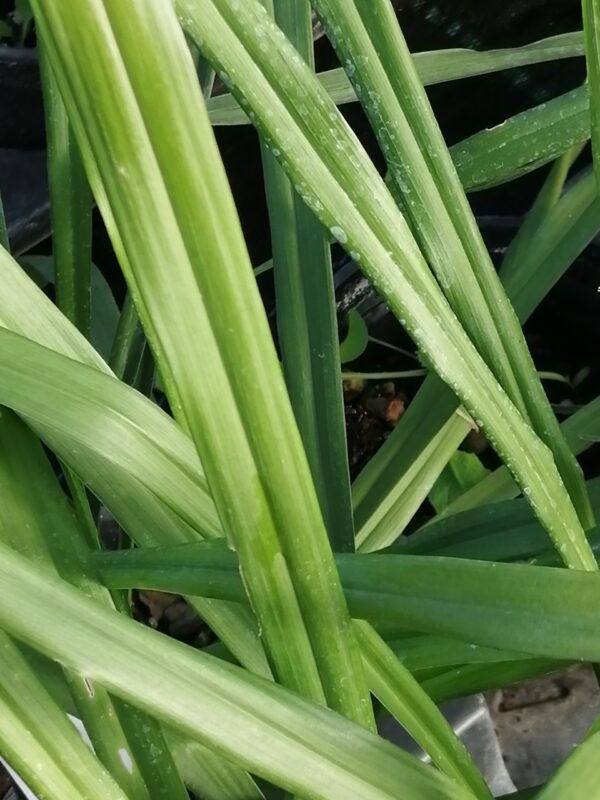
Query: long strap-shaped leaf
[208, 775]
[565, 231]
[430, 191]
[381, 503]
[223, 376]
[44, 507]
[400, 693]
[49, 534]
[146, 497]
[306, 318]
[393, 485]
[524, 142]
[143, 508]
[147, 500]
[26, 310]
[496, 531]
[296, 744]
[38, 740]
[71, 209]
[544, 611]
[149, 770]
[546, 199]
[434, 67]
[467, 680]
[31, 392]
[331, 171]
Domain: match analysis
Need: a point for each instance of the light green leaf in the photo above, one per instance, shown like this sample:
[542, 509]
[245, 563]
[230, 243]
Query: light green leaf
[307, 320]
[470, 679]
[149, 519]
[271, 514]
[498, 531]
[433, 67]
[104, 310]
[524, 142]
[427, 184]
[581, 429]
[39, 741]
[49, 534]
[566, 230]
[268, 730]
[70, 208]
[462, 471]
[546, 200]
[400, 693]
[370, 225]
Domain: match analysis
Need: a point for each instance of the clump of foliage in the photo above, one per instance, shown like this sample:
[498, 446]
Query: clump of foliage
[241, 499]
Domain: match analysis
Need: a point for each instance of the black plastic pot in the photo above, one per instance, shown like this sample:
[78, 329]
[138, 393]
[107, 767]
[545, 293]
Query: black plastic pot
[24, 192]
[23, 182]
[22, 118]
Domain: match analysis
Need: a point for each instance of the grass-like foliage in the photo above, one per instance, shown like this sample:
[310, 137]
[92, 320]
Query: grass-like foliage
[238, 496]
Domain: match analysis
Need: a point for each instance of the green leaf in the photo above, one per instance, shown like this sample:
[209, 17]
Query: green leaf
[554, 244]
[307, 320]
[524, 142]
[581, 429]
[104, 310]
[422, 652]
[499, 531]
[271, 514]
[128, 344]
[400, 693]
[394, 484]
[134, 430]
[546, 200]
[105, 314]
[565, 231]
[204, 772]
[149, 519]
[542, 611]
[357, 338]
[70, 208]
[370, 225]
[210, 776]
[433, 67]
[265, 728]
[49, 534]
[436, 207]
[39, 741]
[462, 471]
[474, 678]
